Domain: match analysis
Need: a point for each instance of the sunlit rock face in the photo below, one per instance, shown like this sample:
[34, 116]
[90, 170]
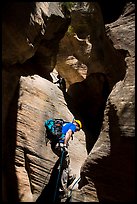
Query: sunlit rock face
[34, 161]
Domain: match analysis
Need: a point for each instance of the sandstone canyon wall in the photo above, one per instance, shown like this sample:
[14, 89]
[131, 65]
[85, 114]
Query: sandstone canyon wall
[97, 61]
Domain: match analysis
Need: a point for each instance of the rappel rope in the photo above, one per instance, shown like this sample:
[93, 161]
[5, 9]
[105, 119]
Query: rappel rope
[56, 189]
[70, 193]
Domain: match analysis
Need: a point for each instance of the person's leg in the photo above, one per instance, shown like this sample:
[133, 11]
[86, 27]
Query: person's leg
[71, 176]
[64, 170]
[64, 177]
[67, 176]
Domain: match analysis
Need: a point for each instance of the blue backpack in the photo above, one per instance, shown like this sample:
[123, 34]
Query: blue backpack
[53, 129]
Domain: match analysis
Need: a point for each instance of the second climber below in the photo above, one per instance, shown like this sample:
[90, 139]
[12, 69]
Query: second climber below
[61, 83]
[67, 177]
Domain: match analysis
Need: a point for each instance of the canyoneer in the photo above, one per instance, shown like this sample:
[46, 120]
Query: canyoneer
[61, 83]
[61, 146]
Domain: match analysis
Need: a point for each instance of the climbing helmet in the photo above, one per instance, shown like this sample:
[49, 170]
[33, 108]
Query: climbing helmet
[79, 123]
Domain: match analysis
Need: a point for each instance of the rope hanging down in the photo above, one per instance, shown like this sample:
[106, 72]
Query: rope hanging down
[70, 194]
[56, 189]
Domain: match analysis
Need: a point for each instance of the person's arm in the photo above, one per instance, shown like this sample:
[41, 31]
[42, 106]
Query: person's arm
[68, 136]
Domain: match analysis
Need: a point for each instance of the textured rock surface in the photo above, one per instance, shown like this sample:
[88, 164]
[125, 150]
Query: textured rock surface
[39, 100]
[102, 57]
[69, 66]
[24, 33]
[25, 27]
[111, 163]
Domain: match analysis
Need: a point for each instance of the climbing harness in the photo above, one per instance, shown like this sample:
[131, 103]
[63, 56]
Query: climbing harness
[59, 174]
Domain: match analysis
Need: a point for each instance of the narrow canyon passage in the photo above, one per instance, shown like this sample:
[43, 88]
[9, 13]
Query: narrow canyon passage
[93, 49]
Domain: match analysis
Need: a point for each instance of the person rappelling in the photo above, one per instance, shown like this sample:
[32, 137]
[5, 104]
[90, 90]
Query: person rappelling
[59, 133]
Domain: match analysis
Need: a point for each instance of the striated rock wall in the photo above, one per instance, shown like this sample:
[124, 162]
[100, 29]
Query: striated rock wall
[39, 100]
[32, 161]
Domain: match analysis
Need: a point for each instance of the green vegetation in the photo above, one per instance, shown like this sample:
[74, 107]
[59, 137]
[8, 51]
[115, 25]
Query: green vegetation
[70, 30]
[68, 5]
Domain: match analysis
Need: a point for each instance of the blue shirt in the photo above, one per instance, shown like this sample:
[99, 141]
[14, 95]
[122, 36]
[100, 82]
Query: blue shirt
[68, 126]
[65, 128]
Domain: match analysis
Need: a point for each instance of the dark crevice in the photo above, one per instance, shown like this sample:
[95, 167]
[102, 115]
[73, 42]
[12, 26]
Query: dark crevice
[9, 174]
[111, 10]
[86, 100]
[48, 192]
